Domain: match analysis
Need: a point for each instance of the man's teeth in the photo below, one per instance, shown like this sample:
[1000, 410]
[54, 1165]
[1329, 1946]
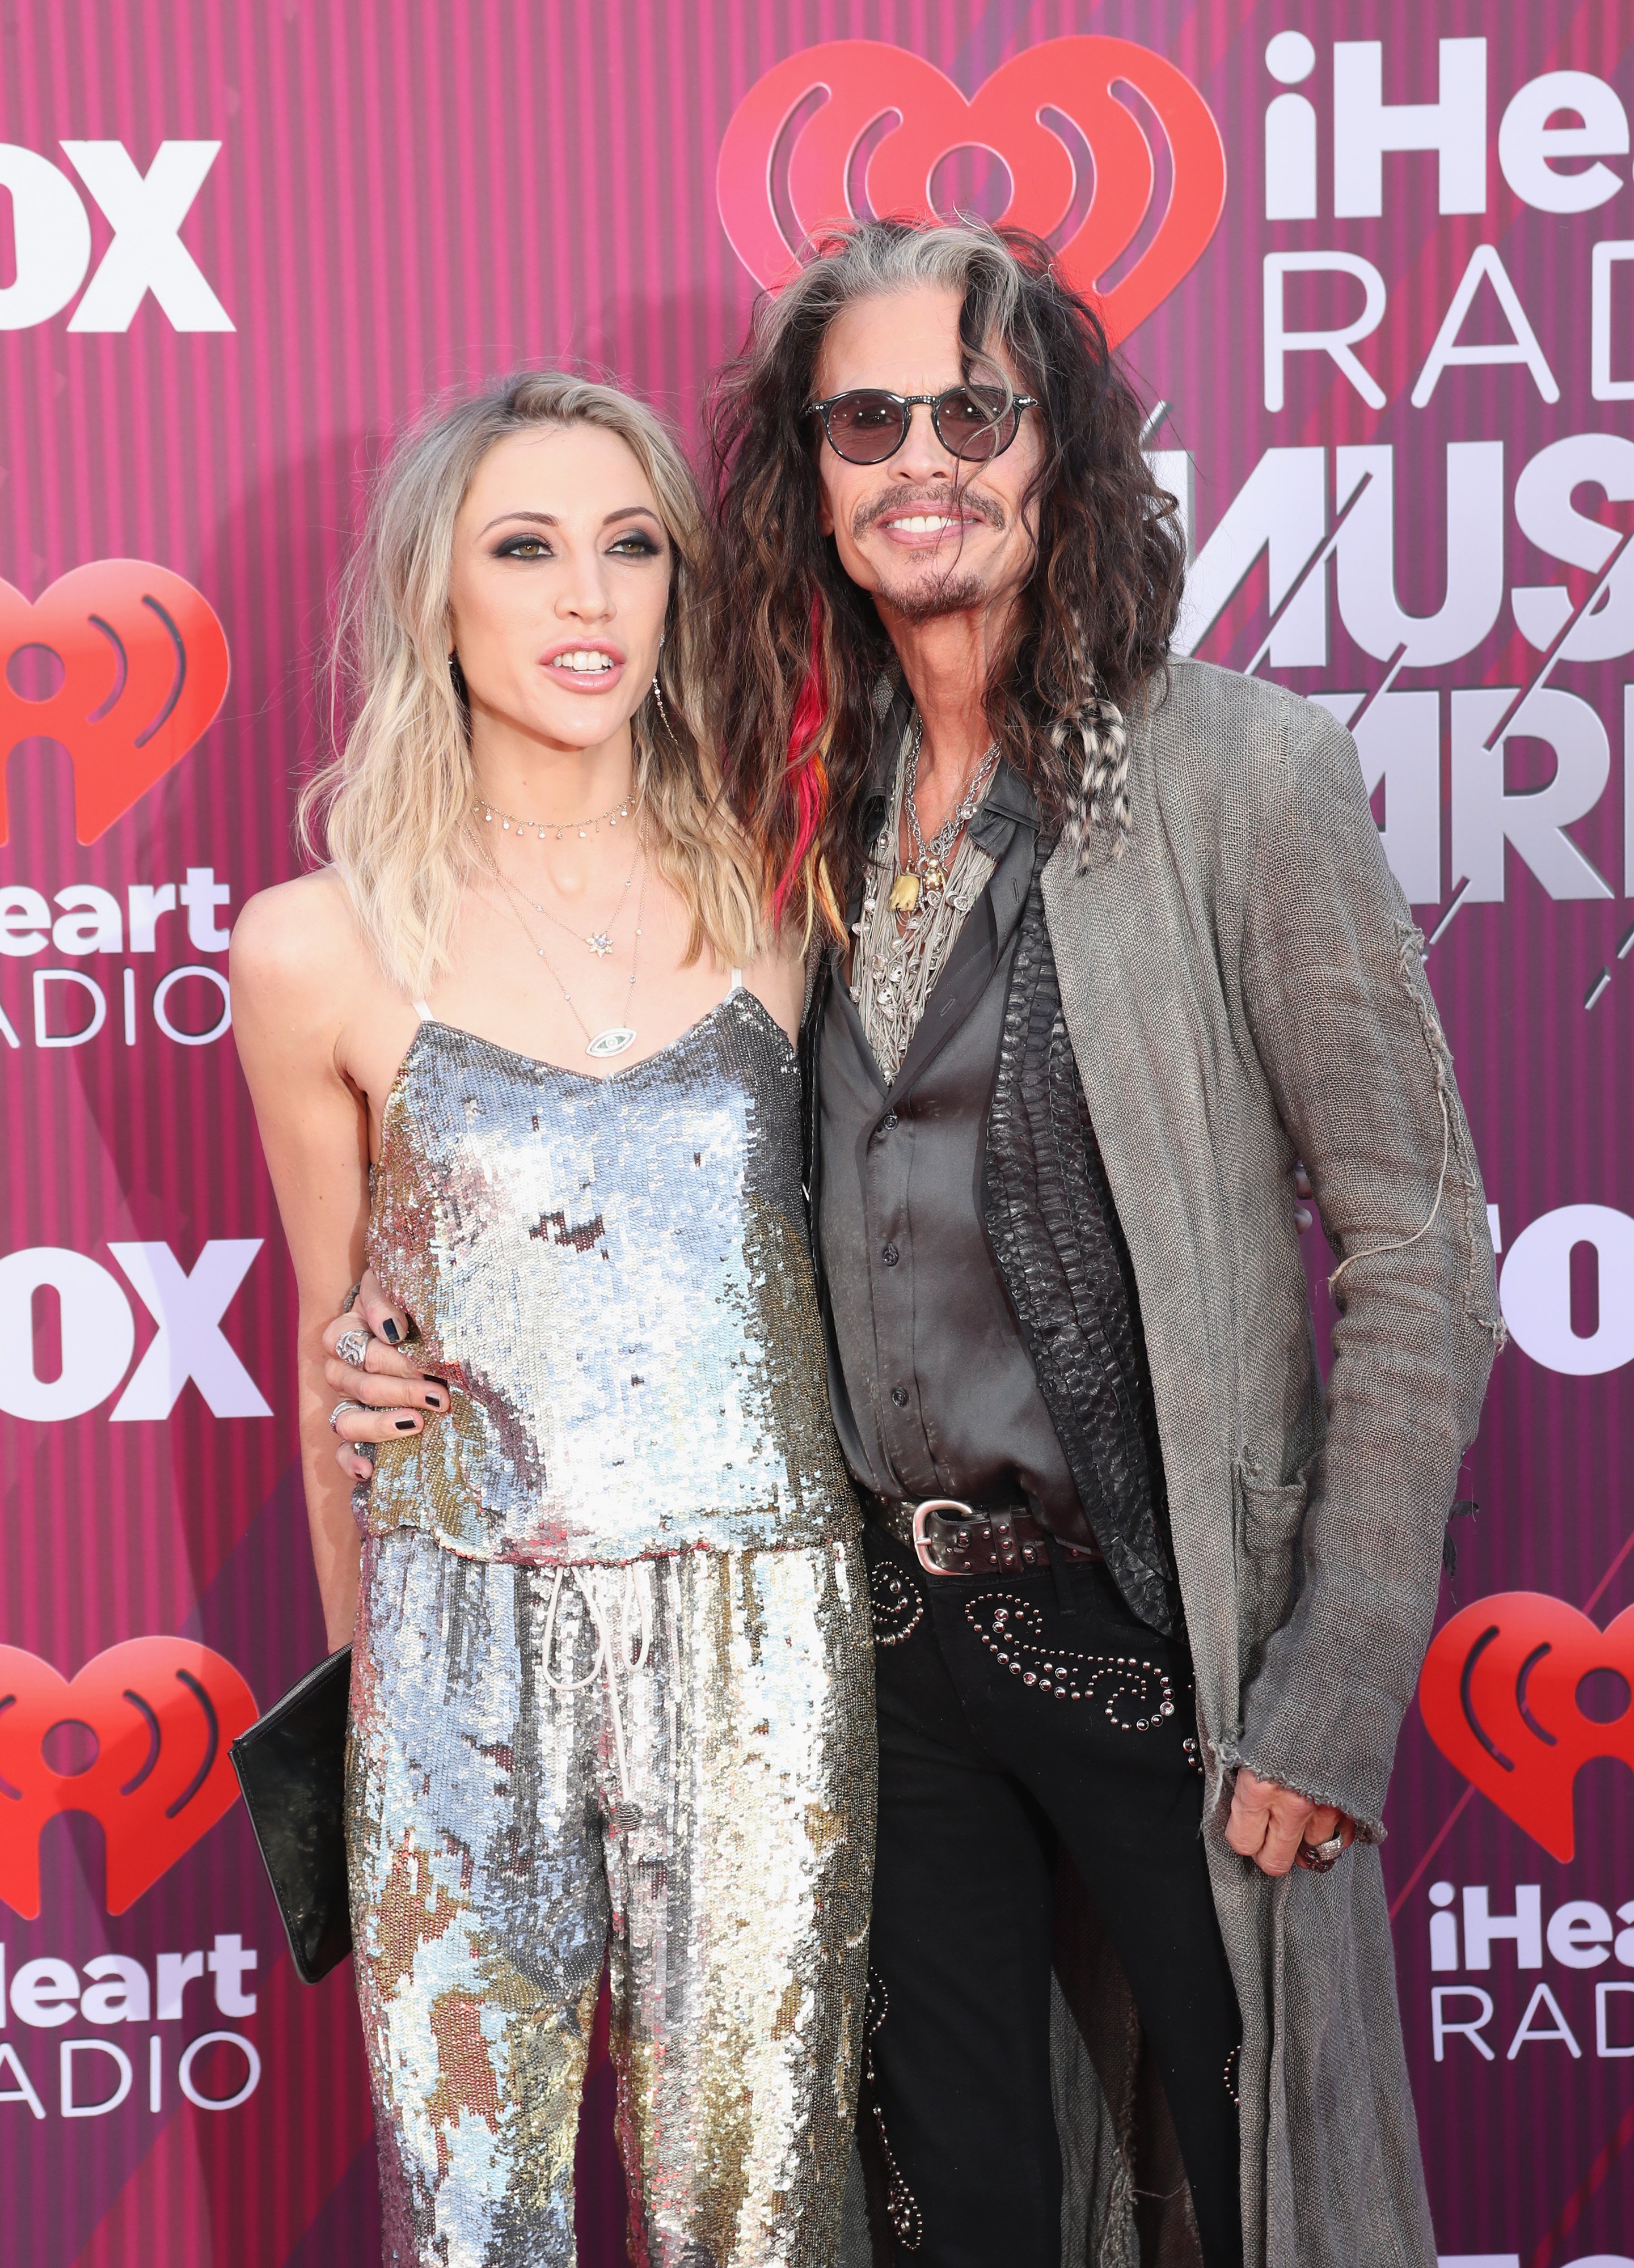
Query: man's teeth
[923, 523]
[583, 663]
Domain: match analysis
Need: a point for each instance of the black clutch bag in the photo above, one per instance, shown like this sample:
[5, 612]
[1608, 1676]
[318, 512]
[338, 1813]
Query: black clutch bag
[292, 1767]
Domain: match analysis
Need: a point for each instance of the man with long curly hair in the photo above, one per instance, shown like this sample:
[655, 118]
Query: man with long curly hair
[1103, 942]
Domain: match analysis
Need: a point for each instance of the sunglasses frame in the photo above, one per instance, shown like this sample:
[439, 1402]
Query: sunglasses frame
[907, 403]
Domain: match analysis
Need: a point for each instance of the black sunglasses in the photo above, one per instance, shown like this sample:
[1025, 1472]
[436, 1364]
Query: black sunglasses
[974, 423]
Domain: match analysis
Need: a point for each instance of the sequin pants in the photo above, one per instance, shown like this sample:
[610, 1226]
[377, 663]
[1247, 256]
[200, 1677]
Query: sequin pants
[672, 1763]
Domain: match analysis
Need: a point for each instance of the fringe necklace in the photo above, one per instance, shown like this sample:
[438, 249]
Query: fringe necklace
[901, 950]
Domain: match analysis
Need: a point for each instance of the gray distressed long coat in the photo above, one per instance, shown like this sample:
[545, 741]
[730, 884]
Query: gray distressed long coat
[1244, 986]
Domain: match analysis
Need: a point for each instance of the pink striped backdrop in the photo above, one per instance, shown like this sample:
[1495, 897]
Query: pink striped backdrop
[408, 199]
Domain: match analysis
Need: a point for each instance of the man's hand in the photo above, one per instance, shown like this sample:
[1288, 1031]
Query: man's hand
[394, 1391]
[1269, 1823]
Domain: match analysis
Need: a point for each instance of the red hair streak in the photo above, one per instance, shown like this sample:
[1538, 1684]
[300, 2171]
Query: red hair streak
[808, 736]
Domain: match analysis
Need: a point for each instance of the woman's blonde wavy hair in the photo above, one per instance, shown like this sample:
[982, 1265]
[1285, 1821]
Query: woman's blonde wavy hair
[392, 810]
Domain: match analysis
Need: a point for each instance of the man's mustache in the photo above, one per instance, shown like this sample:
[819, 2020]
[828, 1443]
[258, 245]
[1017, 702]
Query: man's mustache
[971, 501]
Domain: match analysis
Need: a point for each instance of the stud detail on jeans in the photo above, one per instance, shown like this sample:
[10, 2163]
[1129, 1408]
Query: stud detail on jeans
[1192, 1758]
[1136, 1695]
[1233, 2074]
[895, 1605]
[908, 2223]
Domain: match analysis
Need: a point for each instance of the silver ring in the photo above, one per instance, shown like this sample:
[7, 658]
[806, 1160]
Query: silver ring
[1318, 1858]
[340, 1410]
[352, 1348]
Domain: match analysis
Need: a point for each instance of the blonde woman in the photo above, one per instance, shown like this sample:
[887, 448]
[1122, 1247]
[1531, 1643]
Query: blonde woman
[521, 1045]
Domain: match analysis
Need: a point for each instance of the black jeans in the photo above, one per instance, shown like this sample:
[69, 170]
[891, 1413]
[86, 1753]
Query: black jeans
[1018, 1714]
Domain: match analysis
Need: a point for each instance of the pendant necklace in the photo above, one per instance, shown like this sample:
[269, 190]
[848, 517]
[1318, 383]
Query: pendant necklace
[927, 876]
[543, 827]
[616, 1038]
[600, 941]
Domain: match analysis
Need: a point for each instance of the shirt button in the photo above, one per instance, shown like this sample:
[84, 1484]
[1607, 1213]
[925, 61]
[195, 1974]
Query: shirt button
[890, 1254]
[899, 1396]
[888, 1122]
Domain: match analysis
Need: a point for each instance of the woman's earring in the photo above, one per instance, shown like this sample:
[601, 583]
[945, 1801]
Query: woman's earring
[658, 691]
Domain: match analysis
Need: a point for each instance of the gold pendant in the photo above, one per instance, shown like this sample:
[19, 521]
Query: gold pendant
[934, 878]
[905, 893]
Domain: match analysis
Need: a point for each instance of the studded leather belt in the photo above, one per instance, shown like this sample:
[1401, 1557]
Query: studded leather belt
[952, 1538]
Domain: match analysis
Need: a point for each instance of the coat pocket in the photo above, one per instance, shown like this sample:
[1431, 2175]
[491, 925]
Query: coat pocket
[1270, 1518]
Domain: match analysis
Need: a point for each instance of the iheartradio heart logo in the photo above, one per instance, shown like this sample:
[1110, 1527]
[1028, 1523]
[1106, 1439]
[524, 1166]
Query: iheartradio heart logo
[1502, 1694]
[161, 1713]
[144, 669]
[831, 163]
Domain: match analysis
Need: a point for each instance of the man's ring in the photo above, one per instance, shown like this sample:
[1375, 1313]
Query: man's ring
[1320, 1857]
[352, 1348]
[340, 1410]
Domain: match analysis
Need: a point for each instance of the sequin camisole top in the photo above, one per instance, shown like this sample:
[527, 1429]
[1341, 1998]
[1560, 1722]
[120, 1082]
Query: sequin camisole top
[613, 1276]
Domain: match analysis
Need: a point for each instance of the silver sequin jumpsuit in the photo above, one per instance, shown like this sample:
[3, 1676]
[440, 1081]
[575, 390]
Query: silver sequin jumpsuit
[611, 1690]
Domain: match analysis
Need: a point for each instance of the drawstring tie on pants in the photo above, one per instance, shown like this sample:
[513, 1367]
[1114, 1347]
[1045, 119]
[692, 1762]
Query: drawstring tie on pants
[608, 1658]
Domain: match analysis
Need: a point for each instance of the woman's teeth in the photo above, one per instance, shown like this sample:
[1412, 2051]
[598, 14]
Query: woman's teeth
[583, 663]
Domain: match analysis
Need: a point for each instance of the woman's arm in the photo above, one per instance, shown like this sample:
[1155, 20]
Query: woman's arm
[298, 970]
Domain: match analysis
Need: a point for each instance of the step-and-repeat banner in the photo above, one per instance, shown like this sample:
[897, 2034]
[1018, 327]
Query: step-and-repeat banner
[1373, 268]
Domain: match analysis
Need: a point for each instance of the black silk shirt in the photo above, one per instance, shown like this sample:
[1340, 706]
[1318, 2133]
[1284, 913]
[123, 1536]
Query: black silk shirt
[933, 1391]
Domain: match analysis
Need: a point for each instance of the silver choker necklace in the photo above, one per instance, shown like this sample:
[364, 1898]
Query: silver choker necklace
[542, 827]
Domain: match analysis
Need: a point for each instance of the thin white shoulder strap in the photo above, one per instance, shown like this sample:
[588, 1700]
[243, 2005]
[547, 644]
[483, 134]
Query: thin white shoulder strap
[736, 985]
[422, 1009]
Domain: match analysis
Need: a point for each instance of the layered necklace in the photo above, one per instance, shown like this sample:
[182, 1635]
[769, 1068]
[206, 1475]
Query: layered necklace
[599, 940]
[912, 915]
[613, 1039]
[928, 875]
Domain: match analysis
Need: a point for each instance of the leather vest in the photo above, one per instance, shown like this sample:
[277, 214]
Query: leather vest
[1056, 1239]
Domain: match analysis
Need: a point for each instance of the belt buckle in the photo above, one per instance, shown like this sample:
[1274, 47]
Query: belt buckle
[921, 1542]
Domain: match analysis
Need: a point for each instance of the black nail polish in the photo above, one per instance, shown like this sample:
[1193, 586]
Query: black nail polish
[433, 1401]
[405, 1424]
[389, 1330]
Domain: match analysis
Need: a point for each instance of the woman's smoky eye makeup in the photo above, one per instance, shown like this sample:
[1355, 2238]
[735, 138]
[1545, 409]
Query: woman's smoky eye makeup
[528, 544]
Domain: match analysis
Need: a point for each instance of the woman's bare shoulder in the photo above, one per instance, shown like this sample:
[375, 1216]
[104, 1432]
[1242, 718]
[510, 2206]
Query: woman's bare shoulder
[302, 937]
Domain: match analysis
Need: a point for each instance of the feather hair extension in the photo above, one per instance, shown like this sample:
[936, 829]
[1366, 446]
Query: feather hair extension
[1100, 748]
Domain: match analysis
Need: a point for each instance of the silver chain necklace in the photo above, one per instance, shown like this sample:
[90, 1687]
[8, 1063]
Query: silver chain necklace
[900, 952]
[928, 873]
[599, 940]
[543, 827]
[617, 1038]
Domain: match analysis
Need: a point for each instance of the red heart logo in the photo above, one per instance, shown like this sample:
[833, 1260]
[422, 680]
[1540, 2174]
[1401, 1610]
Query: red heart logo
[163, 1711]
[144, 670]
[1501, 1696]
[865, 80]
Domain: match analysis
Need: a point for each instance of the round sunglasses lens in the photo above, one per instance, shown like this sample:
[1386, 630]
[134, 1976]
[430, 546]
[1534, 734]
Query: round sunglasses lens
[865, 428]
[976, 423]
